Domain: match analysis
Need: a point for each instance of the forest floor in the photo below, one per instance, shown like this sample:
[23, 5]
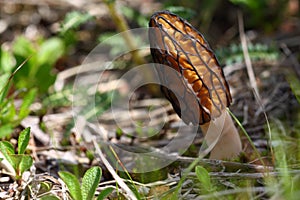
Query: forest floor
[71, 88]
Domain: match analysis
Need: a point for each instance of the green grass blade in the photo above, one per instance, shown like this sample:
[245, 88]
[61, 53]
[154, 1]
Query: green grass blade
[104, 193]
[133, 187]
[184, 176]
[5, 87]
[247, 136]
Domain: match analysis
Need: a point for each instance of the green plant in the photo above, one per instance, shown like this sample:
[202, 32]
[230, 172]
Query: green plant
[6, 67]
[6, 72]
[204, 178]
[88, 186]
[72, 22]
[57, 99]
[286, 152]
[37, 72]
[257, 52]
[19, 161]
[285, 143]
[10, 116]
[102, 100]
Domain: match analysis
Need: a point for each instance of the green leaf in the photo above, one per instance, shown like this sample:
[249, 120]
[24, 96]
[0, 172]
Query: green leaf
[45, 77]
[203, 176]
[23, 140]
[4, 86]
[8, 112]
[6, 148]
[49, 197]
[50, 51]
[6, 62]
[45, 187]
[25, 164]
[72, 183]
[15, 162]
[23, 47]
[253, 4]
[6, 130]
[27, 101]
[90, 182]
[104, 193]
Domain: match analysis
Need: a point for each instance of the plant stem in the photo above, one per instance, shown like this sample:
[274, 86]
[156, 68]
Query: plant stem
[122, 26]
[224, 134]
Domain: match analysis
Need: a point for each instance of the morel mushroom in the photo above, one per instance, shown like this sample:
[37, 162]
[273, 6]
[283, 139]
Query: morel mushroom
[200, 83]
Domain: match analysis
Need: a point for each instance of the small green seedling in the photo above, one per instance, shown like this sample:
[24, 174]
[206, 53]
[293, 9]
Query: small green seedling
[204, 178]
[88, 187]
[18, 161]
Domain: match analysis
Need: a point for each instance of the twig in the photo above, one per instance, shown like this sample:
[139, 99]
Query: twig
[252, 76]
[170, 182]
[273, 101]
[245, 175]
[130, 40]
[228, 165]
[214, 165]
[91, 67]
[33, 122]
[233, 191]
[246, 53]
[229, 69]
[122, 26]
[120, 182]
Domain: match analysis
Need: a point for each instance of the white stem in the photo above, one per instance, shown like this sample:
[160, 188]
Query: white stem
[222, 133]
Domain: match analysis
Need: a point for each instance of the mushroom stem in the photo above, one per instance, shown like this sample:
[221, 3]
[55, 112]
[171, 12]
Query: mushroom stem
[229, 143]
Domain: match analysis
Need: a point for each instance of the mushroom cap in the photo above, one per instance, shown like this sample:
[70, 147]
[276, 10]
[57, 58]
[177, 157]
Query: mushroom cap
[198, 90]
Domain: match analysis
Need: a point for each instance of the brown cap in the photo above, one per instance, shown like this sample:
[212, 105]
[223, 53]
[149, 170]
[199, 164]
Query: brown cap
[200, 83]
